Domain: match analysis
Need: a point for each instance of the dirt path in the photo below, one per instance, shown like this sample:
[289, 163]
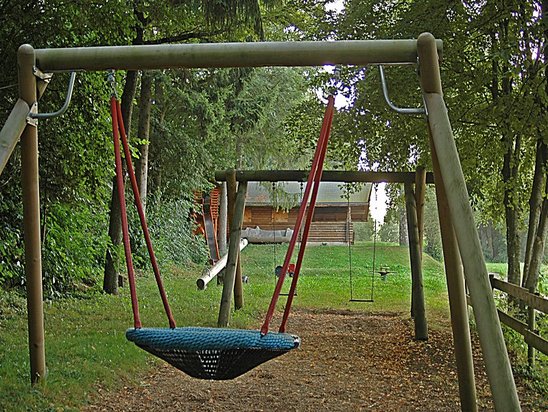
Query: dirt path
[348, 361]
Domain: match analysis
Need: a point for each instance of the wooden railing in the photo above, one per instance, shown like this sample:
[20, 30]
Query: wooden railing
[534, 302]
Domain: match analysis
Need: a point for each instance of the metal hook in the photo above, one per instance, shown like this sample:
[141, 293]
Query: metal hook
[65, 106]
[401, 110]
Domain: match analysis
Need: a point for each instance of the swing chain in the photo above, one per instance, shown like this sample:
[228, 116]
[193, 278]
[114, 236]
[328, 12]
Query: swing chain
[335, 81]
[111, 79]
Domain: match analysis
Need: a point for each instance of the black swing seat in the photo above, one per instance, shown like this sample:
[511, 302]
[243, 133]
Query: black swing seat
[213, 353]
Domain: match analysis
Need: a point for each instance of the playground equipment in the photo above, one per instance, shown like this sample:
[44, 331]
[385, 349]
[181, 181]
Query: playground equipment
[459, 236]
[209, 273]
[204, 353]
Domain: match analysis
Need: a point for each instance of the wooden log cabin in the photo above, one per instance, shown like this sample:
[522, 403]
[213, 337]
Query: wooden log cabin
[271, 211]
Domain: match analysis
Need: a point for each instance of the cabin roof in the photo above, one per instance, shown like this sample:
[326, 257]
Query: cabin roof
[289, 194]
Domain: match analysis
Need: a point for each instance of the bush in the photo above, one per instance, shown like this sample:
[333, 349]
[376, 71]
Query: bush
[73, 248]
[171, 233]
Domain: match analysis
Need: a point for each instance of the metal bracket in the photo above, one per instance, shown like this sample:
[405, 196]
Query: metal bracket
[401, 110]
[31, 120]
[45, 77]
[65, 106]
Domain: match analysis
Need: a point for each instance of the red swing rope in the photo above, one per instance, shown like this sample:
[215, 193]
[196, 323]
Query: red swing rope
[118, 125]
[309, 215]
[123, 210]
[314, 176]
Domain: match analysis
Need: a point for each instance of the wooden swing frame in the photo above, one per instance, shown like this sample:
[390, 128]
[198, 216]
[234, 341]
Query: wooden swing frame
[459, 236]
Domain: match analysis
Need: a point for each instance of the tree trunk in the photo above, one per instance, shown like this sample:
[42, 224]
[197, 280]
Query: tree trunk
[143, 134]
[501, 88]
[512, 231]
[535, 205]
[538, 247]
[110, 280]
[537, 242]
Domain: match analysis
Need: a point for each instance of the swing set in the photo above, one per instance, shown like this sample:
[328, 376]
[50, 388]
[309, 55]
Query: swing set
[212, 353]
[224, 353]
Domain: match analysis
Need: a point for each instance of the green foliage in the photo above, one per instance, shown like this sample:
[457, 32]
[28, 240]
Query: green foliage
[364, 231]
[170, 230]
[389, 231]
[432, 238]
[11, 246]
[74, 247]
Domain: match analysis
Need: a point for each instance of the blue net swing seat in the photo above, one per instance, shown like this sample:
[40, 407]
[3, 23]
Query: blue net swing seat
[202, 352]
[213, 353]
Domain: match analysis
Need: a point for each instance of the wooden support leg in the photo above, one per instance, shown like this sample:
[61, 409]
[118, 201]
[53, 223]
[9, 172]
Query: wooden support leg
[421, 327]
[457, 298]
[223, 220]
[31, 218]
[233, 253]
[499, 371]
[420, 192]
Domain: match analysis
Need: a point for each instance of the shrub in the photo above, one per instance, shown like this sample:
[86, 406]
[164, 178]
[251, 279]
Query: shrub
[73, 248]
[171, 232]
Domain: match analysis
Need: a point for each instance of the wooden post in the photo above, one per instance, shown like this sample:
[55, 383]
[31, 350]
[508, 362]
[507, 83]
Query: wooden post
[238, 286]
[231, 188]
[420, 193]
[327, 176]
[223, 220]
[458, 306]
[31, 218]
[233, 253]
[531, 324]
[492, 342]
[421, 327]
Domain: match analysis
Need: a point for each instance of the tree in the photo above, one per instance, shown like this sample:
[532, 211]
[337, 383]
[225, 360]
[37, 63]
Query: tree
[493, 88]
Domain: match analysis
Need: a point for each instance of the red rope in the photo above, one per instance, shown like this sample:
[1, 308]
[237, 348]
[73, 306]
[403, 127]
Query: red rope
[123, 210]
[306, 230]
[319, 155]
[310, 214]
[144, 226]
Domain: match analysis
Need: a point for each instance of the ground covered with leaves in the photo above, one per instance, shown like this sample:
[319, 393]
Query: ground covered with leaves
[348, 360]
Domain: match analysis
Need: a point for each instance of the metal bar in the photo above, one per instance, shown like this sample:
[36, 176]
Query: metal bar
[327, 176]
[65, 106]
[164, 56]
[31, 219]
[12, 130]
[401, 110]
[531, 299]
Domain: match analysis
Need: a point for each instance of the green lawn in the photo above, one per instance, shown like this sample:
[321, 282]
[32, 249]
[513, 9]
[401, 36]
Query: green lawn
[85, 343]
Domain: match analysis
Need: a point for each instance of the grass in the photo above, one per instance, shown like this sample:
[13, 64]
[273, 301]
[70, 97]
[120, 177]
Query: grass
[85, 343]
